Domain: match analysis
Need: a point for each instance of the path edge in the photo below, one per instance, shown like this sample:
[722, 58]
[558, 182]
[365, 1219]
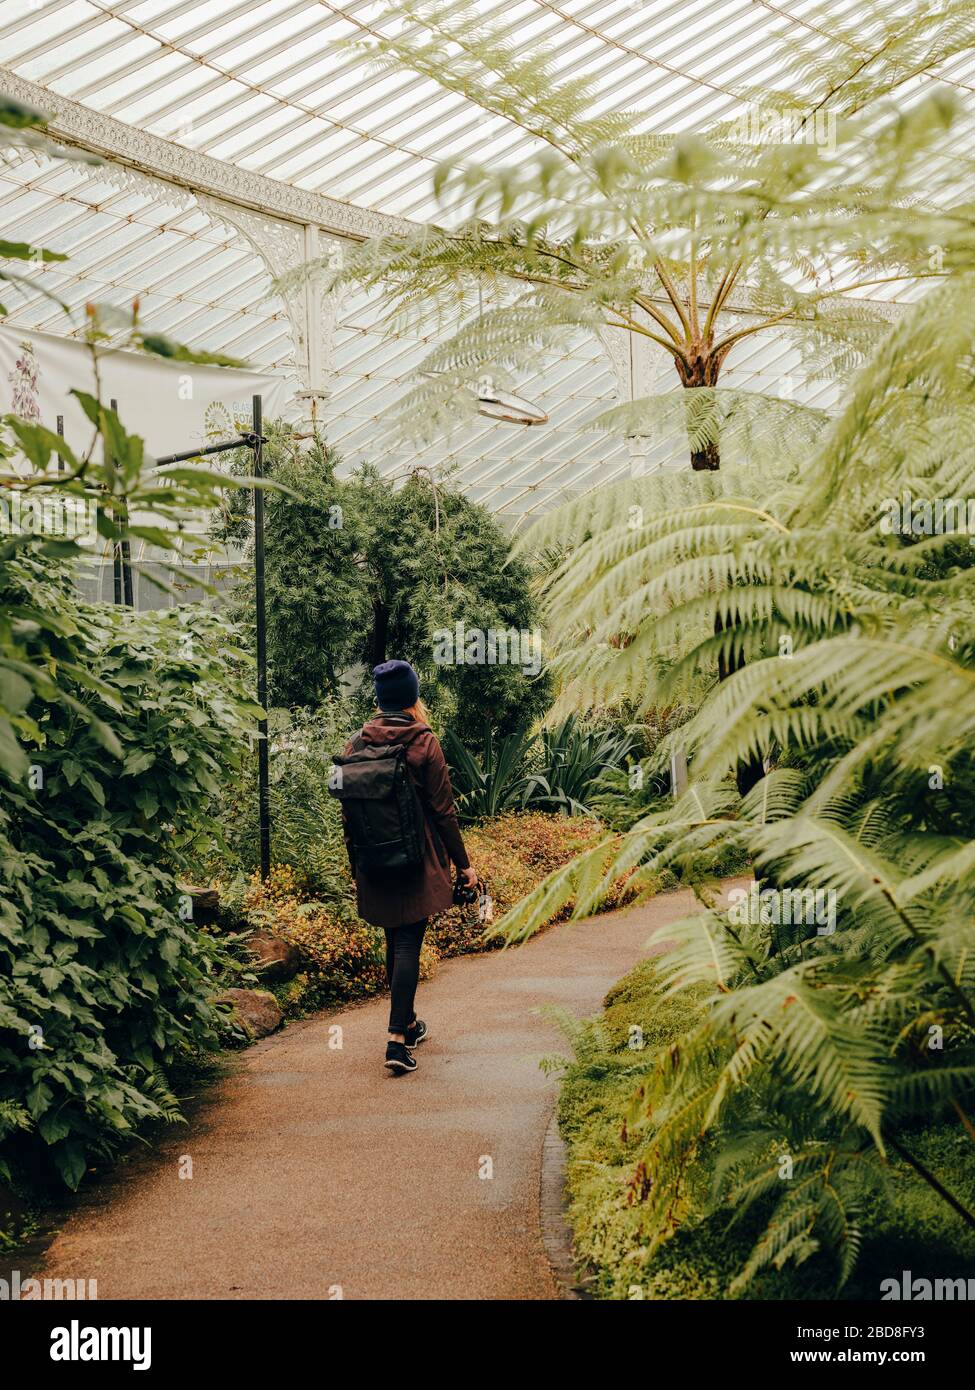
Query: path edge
[555, 1229]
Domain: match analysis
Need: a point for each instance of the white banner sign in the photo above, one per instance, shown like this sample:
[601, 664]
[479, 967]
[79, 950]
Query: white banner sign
[164, 402]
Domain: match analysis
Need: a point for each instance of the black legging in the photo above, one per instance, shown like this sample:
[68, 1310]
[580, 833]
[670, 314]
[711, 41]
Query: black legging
[403, 971]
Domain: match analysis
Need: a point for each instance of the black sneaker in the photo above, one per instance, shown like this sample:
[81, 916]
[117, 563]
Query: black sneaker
[417, 1032]
[399, 1058]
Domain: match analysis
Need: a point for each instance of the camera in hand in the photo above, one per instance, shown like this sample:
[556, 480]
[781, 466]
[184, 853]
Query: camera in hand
[465, 894]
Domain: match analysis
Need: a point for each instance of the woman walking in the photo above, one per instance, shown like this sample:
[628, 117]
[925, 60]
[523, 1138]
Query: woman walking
[394, 769]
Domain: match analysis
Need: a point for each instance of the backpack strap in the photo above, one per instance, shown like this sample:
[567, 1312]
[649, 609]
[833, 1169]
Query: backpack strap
[435, 835]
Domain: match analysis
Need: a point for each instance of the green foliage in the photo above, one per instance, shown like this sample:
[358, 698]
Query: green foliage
[102, 980]
[13, 1117]
[906, 1226]
[486, 786]
[626, 794]
[436, 559]
[814, 1043]
[307, 822]
[359, 571]
[574, 762]
[317, 601]
[846, 643]
[116, 731]
[558, 769]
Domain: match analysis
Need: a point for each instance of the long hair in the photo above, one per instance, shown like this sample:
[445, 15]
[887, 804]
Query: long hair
[418, 712]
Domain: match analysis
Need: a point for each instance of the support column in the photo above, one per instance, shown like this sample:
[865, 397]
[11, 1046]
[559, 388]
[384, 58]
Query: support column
[319, 313]
[284, 247]
[635, 362]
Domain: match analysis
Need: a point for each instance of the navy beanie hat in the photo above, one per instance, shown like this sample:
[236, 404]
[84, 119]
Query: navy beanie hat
[397, 685]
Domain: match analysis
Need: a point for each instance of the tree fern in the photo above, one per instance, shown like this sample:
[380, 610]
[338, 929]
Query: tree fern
[692, 244]
[858, 697]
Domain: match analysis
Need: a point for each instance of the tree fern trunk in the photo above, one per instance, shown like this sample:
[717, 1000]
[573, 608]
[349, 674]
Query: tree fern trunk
[707, 459]
[701, 369]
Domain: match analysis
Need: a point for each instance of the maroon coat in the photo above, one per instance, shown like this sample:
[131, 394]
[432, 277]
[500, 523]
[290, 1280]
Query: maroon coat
[423, 891]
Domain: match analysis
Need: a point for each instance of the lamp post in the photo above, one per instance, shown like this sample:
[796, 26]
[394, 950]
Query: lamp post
[263, 787]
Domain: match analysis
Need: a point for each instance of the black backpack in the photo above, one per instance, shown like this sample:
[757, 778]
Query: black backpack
[382, 807]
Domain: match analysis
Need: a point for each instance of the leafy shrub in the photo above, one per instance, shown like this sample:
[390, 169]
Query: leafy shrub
[342, 957]
[559, 769]
[378, 570]
[908, 1227]
[115, 732]
[537, 839]
[313, 544]
[574, 760]
[306, 823]
[102, 980]
[620, 800]
[493, 783]
[512, 854]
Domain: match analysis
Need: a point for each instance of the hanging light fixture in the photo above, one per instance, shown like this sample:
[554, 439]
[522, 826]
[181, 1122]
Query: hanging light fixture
[504, 405]
[514, 410]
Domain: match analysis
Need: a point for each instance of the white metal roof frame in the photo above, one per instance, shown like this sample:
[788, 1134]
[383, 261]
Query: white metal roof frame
[240, 138]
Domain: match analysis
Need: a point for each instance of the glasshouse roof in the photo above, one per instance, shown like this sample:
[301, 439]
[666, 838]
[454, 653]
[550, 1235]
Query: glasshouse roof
[238, 137]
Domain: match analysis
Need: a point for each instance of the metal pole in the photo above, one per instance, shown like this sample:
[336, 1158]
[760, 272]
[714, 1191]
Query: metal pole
[125, 554]
[127, 572]
[262, 749]
[117, 582]
[116, 558]
[245, 441]
[61, 435]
